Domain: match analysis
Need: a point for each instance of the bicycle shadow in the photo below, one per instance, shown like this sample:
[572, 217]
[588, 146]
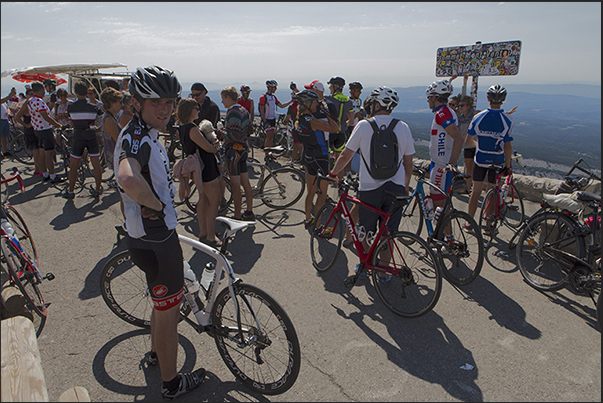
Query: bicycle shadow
[437, 354]
[275, 219]
[498, 255]
[118, 367]
[585, 311]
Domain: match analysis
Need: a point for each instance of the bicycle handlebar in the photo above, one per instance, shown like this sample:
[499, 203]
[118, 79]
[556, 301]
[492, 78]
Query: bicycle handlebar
[16, 176]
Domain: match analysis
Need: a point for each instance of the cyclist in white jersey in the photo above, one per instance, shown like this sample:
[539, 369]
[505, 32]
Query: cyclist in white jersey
[147, 190]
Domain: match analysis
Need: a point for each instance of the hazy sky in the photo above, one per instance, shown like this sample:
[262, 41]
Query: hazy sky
[390, 44]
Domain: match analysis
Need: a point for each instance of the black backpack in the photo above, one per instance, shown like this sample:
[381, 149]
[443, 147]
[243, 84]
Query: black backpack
[385, 159]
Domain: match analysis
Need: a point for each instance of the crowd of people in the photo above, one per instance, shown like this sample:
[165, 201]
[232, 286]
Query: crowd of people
[129, 118]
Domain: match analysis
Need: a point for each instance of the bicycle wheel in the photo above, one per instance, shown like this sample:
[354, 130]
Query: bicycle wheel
[124, 289]
[22, 233]
[415, 283]
[514, 213]
[488, 222]
[27, 280]
[193, 197]
[462, 256]
[326, 237]
[412, 217]
[20, 152]
[264, 353]
[282, 188]
[537, 256]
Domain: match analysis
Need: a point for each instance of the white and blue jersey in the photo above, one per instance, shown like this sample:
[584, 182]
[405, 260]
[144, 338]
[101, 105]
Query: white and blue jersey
[493, 128]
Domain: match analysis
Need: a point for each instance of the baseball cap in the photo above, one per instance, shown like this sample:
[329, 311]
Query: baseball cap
[315, 85]
[198, 87]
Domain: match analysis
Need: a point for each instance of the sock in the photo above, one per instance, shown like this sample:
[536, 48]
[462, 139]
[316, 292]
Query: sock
[52, 176]
[45, 174]
[173, 384]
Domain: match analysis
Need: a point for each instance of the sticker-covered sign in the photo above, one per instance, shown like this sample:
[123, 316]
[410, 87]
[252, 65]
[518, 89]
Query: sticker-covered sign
[480, 59]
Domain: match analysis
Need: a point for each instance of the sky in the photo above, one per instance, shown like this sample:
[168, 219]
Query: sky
[221, 44]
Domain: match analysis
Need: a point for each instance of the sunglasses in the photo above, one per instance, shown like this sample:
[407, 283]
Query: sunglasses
[462, 105]
[195, 95]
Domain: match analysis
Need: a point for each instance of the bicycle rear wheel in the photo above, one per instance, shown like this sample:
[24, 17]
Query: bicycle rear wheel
[537, 250]
[124, 290]
[264, 352]
[514, 213]
[20, 152]
[413, 283]
[22, 233]
[462, 256]
[27, 280]
[282, 188]
[193, 197]
[326, 237]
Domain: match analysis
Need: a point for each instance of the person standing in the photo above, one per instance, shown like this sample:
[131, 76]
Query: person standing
[465, 113]
[148, 190]
[267, 106]
[247, 102]
[311, 133]
[42, 123]
[236, 130]
[31, 141]
[60, 107]
[378, 193]
[208, 109]
[344, 115]
[84, 115]
[112, 99]
[490, 132]
[51, 88]
[5, 134]
[446, 140]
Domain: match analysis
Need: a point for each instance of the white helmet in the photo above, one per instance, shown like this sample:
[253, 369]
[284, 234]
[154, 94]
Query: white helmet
[387, 98]
[443, 87]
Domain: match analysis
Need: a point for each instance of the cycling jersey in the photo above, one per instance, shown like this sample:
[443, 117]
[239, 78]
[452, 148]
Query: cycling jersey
[137, 141]
[315, 144]
[343, 105]
[245, 103]
[356, 106]
[83, 115]
[440, 146]
[270, 101]
[36, 105]
[493, 128]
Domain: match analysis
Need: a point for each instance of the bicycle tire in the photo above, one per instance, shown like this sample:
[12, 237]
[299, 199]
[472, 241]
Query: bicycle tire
[27, 282]
[326, 237]
[461, 259]
[282, 188]
[20, 152]
[410, 212]
[193, 197]
[124, 289]
[416, 283]
[488, 223]
[267, 362]
[514, 213]
[544, 233]
[22, 233]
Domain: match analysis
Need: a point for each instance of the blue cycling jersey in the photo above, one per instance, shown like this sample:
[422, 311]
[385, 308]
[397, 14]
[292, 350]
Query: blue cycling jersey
[493, 128]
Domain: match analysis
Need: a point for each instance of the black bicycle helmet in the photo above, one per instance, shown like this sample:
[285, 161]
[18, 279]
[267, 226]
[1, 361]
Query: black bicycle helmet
[497, 94]
[50, 81]
[245, 88]
[154, 82]
[271, 83]
[337, 81]
[354, 84]
[306, 95]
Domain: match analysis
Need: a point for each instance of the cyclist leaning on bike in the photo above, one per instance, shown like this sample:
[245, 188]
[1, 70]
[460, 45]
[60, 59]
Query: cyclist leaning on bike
[379, 104]
[490, 131]
[147, 189]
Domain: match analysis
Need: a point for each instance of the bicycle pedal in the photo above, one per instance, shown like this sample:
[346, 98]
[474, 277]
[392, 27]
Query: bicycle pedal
[513, 208]
[350, 281]
[49, 277]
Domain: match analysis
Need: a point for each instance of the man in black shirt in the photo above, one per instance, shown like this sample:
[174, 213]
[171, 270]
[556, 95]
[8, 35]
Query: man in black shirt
[209, 109]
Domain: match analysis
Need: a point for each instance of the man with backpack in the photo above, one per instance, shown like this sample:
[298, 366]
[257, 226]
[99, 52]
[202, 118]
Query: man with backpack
[391, 141]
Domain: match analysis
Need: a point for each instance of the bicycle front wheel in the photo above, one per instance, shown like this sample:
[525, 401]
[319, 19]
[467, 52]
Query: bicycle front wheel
[409, 282]
[461, 249]
[326, 237]
[124, 290]
[514, 213]
[282, 188]
[538, 249]
[412, 217]
[488, 220]
[20, 152]
[27, 281]
[22, 233]
[256, 339]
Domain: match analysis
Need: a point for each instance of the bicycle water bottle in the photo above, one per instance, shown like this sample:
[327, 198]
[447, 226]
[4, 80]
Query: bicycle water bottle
[438, 212]
[208, 276]
[192, 285]
[429, 213]
[10, 232]
[504, 190]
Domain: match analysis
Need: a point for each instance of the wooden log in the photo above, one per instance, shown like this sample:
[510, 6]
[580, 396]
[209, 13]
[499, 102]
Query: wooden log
[22, 374]
[75, 394]
[13, 301]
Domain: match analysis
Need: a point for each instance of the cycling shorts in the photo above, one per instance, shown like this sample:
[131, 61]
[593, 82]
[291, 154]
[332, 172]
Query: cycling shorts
[315, 165]
[479, 174]
[441, 178]
[31, 141]
[381, 199]
[270, 124]
[159, 256]
[236, 161]
[81, 143]
[45, 139]
[337, 141]
[469, 153]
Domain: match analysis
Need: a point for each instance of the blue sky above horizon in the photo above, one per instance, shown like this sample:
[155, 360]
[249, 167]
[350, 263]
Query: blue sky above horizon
[390, 44]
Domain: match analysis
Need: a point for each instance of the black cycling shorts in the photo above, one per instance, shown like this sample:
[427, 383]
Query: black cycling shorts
[236, 161]
[469, 152]
[315, 165]
[159, 256]
[31, 141]
[479, 174]
[45, 139]
[270, 124]
[337, 141]
[81, 143]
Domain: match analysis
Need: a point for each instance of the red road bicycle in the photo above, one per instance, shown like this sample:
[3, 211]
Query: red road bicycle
[21, 259]
[403, 267]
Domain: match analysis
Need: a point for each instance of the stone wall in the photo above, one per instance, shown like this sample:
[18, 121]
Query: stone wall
[531, 187]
